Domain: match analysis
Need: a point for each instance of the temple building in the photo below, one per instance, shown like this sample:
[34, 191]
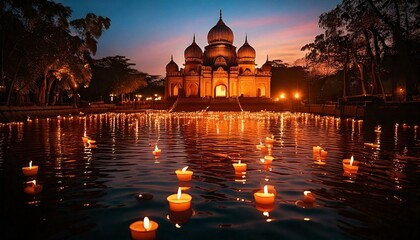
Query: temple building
[219, 71]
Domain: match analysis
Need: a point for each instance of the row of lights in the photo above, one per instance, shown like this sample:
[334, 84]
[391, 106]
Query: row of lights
[282, 96]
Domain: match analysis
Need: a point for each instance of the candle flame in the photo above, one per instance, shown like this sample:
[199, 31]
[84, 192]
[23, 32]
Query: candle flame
[33, 182]
[146, 223]
[262, 160]
[84, 134]
[265, 189]
[156, 148]
[178, 195]
[30, 164]
[306, 193]
[184, 169]
[351, 160]
[239, 162]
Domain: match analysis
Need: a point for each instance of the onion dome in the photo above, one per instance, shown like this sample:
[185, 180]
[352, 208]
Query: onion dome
[266, 67]
[193, 51]
[220, 33]
[246, 51]
[172, 66]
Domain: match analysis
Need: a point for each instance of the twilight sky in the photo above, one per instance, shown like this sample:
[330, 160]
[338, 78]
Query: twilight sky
[149, 31]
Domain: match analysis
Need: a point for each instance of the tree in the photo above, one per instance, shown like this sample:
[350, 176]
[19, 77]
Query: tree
[365, 35]
[41, 48]
[115, 75]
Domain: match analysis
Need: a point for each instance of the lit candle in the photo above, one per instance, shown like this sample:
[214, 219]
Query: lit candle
[180, 201]
[308, 197]
[157, 151]
[31, 170]
[350, 165]
[32, 188]
[323, 153]
[265, 197]
[316, 150]
[239, 167]
[266, 161]
[184, 174]
[145, 229]
[269, 140]
[260, 146]
[85, 137]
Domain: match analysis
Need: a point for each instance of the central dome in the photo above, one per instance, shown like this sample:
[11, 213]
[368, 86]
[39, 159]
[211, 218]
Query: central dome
[220, 33]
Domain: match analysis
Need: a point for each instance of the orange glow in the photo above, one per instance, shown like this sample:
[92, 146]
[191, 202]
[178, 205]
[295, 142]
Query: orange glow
[282, 96]
[296, 95]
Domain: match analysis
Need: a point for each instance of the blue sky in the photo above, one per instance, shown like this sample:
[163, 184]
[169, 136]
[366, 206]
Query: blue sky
[149, 32]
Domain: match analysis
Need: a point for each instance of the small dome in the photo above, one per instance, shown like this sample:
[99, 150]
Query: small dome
[246, 51]
[266, 67]
[220, 33]
[171, 66]
[193, 51]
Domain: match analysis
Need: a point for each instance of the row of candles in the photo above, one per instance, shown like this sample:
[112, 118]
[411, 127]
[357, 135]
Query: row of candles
[181, 202]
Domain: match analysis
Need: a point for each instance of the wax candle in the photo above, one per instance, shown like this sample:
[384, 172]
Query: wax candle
[269, 140]
[266, 208]
[260, 146]
[265, 197]
[350, 165]
[316, 150]
[85, 137]
[180, 201]
[308, 197]
[184, 174]
[266, 161]
[145, 229]
[32, 188]
[239, 167]
[31, 170]
[157, 151]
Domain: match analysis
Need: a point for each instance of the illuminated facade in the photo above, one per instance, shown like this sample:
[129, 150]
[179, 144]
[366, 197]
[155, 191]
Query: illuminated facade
[219, 71]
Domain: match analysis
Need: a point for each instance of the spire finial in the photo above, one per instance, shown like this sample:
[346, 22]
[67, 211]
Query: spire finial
[172, 57]
[194, 38]
[267, 58]
[220, 13]
[246, 37]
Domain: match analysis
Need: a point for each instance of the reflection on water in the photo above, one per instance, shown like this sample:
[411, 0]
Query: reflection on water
[90, 190]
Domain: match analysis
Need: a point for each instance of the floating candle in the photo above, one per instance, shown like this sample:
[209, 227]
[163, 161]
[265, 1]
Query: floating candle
[184, 174]
[157, 151]
[350, 165]
[85, 137]
[239, 167]
[372, 145]
[260, 146]
[31, 170]
[266, 161]
[179, 202]
[145, 229]
[269, 140]
[265, 197]
[308, 197]
[32, 188]
[316, 150]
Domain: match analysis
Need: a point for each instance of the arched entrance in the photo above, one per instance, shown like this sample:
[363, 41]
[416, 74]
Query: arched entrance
[220, 91]
[175, 90]
[261, 91]
[192, 90]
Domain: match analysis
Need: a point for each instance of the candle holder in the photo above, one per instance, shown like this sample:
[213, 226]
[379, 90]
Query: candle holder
[239, 167]
[264, 197]
[184, 174]
[179, 202]
[157, 151]
[351, 165]
[32, 170]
